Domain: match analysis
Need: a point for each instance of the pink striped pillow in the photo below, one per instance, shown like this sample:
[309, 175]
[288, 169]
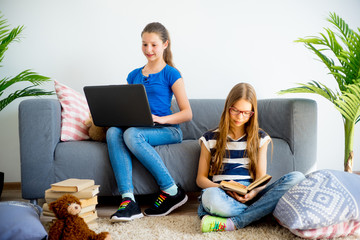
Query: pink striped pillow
[335, 231]
[74, 112]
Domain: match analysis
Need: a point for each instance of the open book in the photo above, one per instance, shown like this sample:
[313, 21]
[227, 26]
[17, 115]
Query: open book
[241, 189]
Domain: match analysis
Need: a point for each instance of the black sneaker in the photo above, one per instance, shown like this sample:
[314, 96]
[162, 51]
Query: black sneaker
[128, 210]
[165, 203]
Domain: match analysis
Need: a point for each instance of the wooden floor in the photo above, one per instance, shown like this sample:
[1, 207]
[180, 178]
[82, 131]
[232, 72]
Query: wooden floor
[108, 205]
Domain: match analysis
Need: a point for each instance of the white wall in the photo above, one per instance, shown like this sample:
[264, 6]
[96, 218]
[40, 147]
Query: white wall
[215, 45]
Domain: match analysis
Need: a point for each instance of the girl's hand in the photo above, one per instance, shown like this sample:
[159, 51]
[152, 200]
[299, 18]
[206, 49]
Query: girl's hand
[247, 197]
[158, 119]
[240, 198]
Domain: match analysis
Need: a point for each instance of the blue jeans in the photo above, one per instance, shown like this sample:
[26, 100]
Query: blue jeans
[140, 141]
[214, 201]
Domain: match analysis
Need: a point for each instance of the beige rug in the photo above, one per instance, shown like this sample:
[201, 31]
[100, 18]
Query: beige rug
[187, 227]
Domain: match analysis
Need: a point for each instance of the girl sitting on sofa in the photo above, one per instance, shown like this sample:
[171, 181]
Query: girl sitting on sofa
[161, 81]
[237, 151]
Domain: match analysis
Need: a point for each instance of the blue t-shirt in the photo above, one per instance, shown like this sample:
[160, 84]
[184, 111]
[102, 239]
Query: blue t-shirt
[235, 164]
[158, 88]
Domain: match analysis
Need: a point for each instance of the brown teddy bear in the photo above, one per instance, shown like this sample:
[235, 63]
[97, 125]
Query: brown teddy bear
[96, 133]
[68, 224]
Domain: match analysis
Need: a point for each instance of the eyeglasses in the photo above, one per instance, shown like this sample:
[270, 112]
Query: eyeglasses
[245, 114]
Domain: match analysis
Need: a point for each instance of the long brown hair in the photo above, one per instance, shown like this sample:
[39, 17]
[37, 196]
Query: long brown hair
[163, 33]
[239, 91]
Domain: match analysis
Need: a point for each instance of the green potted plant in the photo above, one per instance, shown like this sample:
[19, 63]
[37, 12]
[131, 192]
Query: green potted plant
[7, 36]
[344, 45]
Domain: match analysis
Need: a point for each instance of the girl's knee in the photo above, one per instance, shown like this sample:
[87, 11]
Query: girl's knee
[214, 202]
[208, 197]
[295, 177]
[113, 132]
[133, 137]
[210, 194]
[131, 134]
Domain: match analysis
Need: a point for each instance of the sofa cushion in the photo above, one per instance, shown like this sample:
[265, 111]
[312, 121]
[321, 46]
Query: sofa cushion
[74, 113]
[325, 198]
[206, 116]
[20, 220]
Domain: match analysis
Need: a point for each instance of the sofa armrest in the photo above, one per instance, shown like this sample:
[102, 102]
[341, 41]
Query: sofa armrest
[39, 133]
[295, 121]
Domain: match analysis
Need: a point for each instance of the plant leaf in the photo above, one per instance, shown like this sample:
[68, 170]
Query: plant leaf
[24, 76]
[26, 92]
[312, 87]
[348, 103]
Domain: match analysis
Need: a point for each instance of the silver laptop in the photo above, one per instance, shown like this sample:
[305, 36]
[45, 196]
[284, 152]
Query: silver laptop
[119, 105]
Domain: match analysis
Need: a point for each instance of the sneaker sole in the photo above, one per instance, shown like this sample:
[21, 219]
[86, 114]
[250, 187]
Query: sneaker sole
[124, 219]
[171, 209]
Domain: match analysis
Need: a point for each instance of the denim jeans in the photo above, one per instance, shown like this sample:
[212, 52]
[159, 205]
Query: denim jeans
[140, 141]
[214, 201]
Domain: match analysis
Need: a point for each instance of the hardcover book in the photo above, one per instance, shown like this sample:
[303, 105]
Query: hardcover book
[89, 218]
[82, 215]
[84, 201]
[85, 193]
[72, 185]
[241, 189]
[84, 210]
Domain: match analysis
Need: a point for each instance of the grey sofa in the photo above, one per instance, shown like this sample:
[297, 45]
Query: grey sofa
[292, 124]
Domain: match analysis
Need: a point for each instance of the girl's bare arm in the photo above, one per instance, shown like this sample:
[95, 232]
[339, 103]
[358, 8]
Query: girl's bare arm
[202, 179]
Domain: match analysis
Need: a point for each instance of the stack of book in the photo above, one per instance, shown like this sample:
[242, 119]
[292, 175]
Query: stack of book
[84, 189]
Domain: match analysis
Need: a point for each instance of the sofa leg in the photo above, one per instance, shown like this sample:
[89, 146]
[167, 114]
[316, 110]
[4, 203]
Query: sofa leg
[34, 201]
